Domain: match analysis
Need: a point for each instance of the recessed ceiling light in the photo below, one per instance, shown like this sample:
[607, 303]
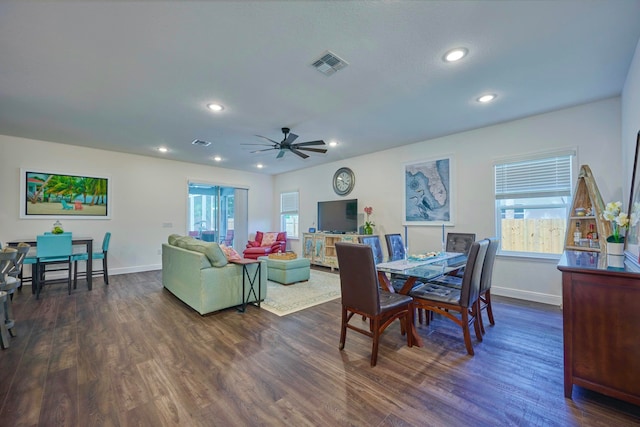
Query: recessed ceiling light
[455, 54]
[215, 107]
[487, 98]
[163, 149]
[333, 143]
[217, 158]
[259, 166]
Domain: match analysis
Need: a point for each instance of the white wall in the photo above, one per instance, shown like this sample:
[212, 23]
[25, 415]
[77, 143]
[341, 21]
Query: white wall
[630, 119]
[593, 129]
[147, 192]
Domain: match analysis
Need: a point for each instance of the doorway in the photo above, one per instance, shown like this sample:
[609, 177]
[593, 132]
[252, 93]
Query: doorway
[217, 213]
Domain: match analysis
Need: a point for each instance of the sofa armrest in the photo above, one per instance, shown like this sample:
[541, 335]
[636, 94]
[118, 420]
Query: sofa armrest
[278, 247]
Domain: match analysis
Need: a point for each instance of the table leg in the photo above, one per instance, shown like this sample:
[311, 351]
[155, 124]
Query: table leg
[90, 264]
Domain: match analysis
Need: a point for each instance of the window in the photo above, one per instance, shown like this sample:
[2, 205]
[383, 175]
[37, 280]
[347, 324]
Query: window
[532, 200]
[289, 214]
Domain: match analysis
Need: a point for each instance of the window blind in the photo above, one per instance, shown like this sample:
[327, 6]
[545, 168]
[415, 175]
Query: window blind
[534, 178]
[289, 202]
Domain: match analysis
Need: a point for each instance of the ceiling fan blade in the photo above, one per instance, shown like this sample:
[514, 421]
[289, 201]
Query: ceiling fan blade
[268, 139]
[318, 142]
[280, 154]
[259, 151]
[293, 150]
[315, 150]
[263, 144]
[290, 138]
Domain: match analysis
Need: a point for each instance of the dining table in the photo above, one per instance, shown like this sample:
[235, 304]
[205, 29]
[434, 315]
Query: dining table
[87, 242]
[418, 268]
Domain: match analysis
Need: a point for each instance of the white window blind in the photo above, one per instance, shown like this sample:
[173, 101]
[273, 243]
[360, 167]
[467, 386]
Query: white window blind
[534, 178]
[289, 202]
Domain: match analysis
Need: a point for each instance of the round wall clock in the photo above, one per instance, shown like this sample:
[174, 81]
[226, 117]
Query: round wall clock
[343, 181]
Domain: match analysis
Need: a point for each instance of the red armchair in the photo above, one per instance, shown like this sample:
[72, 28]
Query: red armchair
[265, 244]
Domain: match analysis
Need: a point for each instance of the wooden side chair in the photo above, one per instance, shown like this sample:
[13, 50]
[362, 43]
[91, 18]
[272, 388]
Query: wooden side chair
[459, 305]
[8, 285]
[361, 295]
[53, 250]
[484, 296]
[102, 255]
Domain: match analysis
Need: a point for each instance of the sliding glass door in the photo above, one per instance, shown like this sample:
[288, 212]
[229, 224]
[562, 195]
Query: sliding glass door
[217, 213]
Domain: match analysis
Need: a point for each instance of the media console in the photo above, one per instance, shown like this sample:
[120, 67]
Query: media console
[320, 248]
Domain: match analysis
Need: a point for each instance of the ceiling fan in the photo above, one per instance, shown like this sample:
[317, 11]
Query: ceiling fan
[288, 144]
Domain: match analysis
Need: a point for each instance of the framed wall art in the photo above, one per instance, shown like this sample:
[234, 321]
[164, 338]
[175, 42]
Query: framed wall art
[52, 195]
[428, 192]
[632, 239]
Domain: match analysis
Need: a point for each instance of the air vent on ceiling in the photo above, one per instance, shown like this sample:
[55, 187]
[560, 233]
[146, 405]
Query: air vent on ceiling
[329, 63]
[201, 143]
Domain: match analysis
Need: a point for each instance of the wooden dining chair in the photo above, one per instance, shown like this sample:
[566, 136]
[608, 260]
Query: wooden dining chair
[102, 255]
[458, 305]
[361, 295]
[53, 250]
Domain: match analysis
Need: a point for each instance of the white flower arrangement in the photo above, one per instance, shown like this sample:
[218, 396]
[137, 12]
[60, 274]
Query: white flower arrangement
[619, 221]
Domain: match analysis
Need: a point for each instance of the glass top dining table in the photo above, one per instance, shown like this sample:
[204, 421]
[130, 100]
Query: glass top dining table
[417, 269]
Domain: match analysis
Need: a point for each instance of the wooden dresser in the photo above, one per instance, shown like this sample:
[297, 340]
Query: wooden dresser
[601, 317]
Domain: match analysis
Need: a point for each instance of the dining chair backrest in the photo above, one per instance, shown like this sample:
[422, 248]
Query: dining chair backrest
[460, 242]
[470, 288]
[376, 247]
[7, 259]
[358, 277]
[487, 266]
[105, 241]
[54, 245]
[22, 250]
[395, 246]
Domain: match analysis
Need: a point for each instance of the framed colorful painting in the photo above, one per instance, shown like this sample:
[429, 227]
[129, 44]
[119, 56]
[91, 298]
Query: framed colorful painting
[53, 195]
[428, 192]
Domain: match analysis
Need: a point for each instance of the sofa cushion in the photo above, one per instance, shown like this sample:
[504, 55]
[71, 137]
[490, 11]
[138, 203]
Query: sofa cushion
[210, 249]
[173, 238]
[269, 239]
[229, 252]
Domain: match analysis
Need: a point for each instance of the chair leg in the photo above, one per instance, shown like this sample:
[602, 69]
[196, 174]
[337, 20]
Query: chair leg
[343, 328]
[105, 274]
[4, 333]
[466, 332]
[75, 274]
[476, 313]
[480, 321]
[376, 341]
[489, 309]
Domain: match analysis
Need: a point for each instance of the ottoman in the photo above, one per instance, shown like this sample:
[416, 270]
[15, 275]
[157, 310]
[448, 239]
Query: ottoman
[288, 271]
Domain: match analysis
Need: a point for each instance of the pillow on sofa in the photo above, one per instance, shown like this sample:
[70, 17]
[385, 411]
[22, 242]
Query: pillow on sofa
[210, 249]
[269, 239]
[173, 238]
[229, 252]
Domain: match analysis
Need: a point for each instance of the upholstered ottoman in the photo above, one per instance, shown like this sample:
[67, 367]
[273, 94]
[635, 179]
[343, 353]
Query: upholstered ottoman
[287, 271]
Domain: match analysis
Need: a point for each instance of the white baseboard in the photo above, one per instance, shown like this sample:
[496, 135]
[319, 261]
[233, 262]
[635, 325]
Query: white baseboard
[527, 295]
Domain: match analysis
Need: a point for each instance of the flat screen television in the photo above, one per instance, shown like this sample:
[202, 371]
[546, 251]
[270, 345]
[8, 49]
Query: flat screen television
[338, 216]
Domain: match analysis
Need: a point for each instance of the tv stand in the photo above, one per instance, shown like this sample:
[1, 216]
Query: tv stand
[320, 248]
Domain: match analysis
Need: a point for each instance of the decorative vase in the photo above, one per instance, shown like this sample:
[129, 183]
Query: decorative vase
[614, 248]
[368, 229]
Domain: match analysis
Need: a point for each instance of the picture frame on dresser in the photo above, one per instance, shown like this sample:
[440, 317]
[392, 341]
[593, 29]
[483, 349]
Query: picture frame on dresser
[632, 239]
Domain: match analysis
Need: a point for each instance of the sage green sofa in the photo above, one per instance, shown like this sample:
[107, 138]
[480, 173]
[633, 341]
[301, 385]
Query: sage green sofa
[198, 274]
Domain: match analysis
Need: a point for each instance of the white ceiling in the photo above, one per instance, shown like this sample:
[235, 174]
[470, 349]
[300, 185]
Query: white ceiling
[132, 76]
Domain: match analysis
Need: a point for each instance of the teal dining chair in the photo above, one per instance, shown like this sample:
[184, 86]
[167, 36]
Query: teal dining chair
[96, 255]
[54, 250]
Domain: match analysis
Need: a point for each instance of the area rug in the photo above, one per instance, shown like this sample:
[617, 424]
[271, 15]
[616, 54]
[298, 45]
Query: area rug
[286, 299]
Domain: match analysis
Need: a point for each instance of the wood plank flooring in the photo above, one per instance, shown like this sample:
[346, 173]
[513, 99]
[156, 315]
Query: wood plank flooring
[132, 354]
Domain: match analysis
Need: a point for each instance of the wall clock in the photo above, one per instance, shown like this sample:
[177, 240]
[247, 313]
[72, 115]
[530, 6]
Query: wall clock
[343, 181]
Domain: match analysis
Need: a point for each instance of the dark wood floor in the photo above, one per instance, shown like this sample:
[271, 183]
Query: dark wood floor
[131, 354]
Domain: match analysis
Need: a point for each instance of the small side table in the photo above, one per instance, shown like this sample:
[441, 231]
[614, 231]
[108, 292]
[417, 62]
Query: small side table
[244, 262]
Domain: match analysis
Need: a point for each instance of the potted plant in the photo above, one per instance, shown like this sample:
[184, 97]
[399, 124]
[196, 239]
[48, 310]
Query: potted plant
[619, 224]
[368, 225]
